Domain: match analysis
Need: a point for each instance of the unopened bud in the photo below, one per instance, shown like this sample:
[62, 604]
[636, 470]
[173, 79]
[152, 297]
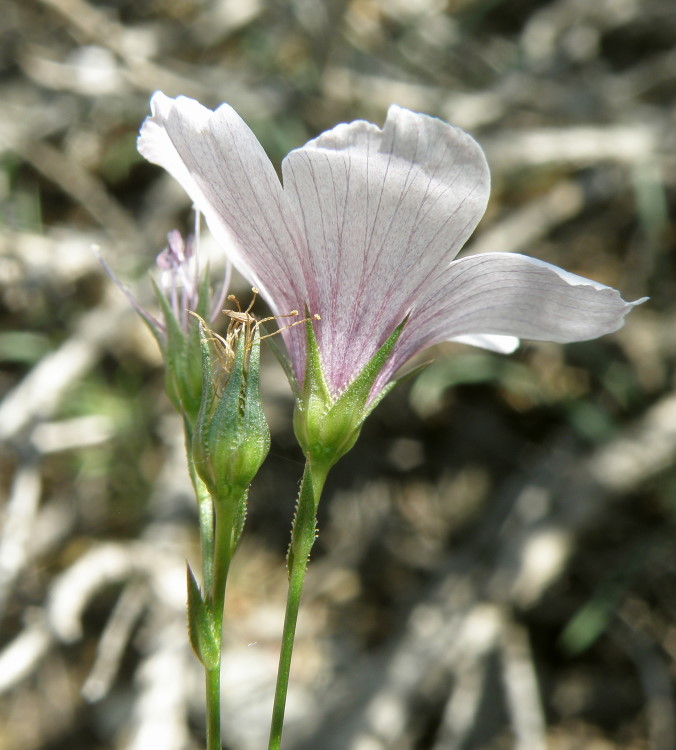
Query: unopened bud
[231, 437]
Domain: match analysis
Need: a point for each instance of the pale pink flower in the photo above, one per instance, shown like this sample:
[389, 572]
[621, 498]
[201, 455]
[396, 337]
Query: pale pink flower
[365, 231]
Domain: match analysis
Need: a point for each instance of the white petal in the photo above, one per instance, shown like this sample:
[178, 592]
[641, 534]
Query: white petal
[221, 165]
[383, 211]
[500, 344]
[507, 294]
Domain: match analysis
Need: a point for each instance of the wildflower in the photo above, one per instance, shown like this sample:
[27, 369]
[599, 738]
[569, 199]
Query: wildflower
[365, 232]
[180, 285]
[183, 287]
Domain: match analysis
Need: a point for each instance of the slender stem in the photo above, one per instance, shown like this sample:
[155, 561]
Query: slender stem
[302, 538]
[213, 691]
[222, 548]
[220, 527]
[208, 547]
[290, 620]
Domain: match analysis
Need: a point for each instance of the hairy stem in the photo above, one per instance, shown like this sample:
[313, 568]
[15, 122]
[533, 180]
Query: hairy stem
[302, 538]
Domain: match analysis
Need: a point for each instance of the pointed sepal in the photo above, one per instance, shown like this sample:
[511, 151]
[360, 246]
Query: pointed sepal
[182, 361]
[328, 427]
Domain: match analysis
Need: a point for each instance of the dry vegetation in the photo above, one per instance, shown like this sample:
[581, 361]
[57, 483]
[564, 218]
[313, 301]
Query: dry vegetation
[496, 565]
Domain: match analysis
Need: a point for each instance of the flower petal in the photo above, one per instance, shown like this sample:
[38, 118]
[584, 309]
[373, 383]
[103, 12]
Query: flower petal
[510, 295]
[500, 344]
[383, 212]
[221, 165]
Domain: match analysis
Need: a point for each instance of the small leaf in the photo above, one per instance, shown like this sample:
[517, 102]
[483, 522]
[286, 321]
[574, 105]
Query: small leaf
[183, 377]
[201, 626]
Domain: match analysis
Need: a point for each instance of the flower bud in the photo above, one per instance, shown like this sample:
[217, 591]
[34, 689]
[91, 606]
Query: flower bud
[183, 288]
[231, 437]
[183, 368]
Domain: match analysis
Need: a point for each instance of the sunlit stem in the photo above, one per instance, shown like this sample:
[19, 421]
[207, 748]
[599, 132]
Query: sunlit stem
[205, 508]
[222, 548]
[213, 691]
[303, 536]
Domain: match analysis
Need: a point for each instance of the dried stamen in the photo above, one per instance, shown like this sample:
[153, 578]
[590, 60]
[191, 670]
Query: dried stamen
[251, 324]
[241, 322]
[224, 347]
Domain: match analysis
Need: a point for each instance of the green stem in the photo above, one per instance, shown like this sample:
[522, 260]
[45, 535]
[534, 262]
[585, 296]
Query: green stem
[213, 685]
[302, 538]
[219, 565]
[227, 516]
[223, 549]
[208, 547]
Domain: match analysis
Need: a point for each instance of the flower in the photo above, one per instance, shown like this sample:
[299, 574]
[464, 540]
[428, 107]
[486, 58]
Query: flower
[184, 287]
[365, 232]
[181, 286]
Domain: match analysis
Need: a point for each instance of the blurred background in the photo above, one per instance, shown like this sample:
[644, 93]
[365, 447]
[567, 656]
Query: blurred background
[496, 560]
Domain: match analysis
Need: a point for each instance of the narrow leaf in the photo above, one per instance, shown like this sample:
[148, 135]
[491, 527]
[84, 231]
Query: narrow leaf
[201, 626]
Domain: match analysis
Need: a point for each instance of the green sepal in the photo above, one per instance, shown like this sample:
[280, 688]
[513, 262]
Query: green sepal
[202, 423]
[360, 388]
[314, 402]
[158, 334]
[327, 428]
[193, 376]
[202, 626]
[204, 295]
[181, 355]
